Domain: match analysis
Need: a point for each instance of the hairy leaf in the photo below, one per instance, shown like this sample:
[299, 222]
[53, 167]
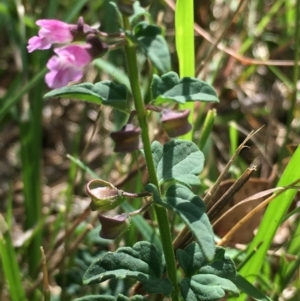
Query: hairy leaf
[192, 260]
[206, 280]
[154, 45]
[170, 88]
[206, 288]
[177, 160]
[140, 13]
[105, 92]
[191, 209]
[142, 262]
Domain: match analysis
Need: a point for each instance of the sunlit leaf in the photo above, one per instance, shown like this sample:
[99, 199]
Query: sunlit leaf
[105, 92]
[178, 160]
[169, 87]
[154, 45]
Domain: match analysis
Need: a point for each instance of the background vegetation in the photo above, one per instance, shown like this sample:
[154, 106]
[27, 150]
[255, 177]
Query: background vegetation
[248, 50]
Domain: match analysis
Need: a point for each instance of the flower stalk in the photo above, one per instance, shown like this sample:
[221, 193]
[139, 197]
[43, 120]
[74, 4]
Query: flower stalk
[161, 213]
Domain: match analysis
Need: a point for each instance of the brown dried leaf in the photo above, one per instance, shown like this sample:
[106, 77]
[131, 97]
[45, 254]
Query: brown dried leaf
[246, 232]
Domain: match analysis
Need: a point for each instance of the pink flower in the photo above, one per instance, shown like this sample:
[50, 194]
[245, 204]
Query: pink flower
[67, 65]
[52, 31]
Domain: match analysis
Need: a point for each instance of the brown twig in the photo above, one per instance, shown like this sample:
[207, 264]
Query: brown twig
[47, 294]
[212, 191]
[248, 216]
[276, 253]
[252, 198]
[69, 231]
[71, 249]
[221, 36]
[228, 195]
[185, 235]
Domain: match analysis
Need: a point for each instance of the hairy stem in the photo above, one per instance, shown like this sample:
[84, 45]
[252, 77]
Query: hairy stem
[161, 213]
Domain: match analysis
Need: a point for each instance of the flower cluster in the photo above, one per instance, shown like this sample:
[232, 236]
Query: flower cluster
[68, 62]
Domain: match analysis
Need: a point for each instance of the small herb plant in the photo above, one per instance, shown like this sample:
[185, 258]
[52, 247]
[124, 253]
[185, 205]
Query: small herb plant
[199, 270]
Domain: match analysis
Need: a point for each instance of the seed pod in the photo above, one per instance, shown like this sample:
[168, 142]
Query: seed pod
[175, 123]
[98, 48]
[113, 226]
[127, 140]
[104, 195]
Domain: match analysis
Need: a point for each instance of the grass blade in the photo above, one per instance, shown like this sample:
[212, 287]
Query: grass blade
[9, 264]
[271, 220]
[250, 290]
[184, 27]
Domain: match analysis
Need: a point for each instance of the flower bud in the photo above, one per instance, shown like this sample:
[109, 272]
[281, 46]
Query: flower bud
[127, 140]
[175, 123]
[82, 28]
[126, 7]
[113, 226]
[98, 48]
[104, 195]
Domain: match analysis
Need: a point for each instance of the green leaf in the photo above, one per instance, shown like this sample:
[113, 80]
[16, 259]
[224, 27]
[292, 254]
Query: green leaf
[177, 160]
[170, 88]
[105, 92]
[245, 286]
[142, 262]
[191, 209]
[115, 14]
[193, 261]
[120, 297]
[154, 45]
[8, 260]
[212, 280]
[206, 288]
[139, 14]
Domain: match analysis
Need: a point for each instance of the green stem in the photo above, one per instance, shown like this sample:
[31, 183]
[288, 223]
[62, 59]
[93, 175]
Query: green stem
[161, 213]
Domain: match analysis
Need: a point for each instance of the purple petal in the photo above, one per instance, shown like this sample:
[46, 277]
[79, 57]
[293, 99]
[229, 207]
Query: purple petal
[57, 36]
[77, 54]
[52, 24]
[61, 72]
[38, 43]
[61, 78]
[52, 31]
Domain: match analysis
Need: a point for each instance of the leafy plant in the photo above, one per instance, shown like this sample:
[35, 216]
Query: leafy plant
[173, 168]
